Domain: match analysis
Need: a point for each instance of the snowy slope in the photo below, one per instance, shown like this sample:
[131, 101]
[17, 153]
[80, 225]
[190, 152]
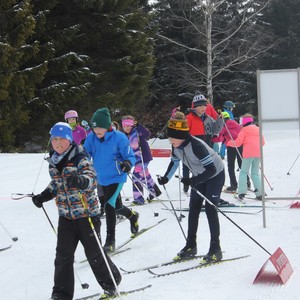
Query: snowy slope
[27, 268]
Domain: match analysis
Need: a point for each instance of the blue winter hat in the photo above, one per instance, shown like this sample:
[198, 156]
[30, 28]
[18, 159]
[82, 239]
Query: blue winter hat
[63, 130]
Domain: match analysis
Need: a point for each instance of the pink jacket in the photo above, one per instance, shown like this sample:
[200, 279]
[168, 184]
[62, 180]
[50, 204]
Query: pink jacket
[234, 129]
[249, 138]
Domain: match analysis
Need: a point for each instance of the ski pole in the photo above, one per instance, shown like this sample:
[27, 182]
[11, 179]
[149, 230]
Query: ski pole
[180, 200]
[288, 173]
[15, 238]
[130, 177]
[99, 244]
[174, 211]
[83, 285]
[159, 132]
[240, 228]
[150, 191]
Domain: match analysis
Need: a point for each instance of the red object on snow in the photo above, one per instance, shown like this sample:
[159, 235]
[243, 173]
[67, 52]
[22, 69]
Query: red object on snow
[295, 205]
[282, 266]
[161, 152]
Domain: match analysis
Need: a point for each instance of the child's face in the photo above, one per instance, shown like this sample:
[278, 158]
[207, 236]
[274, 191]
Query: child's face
[201, 109]
[100, 132]
[60, 145]
[71, 120]
[127, 129]
[175, 142]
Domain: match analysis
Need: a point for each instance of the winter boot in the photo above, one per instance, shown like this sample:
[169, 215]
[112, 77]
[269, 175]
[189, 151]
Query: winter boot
[189, 250]
[110, 244]
[214, 253]
[134, 222]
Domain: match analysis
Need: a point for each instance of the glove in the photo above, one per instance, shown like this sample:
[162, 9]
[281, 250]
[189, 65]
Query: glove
[77, 182]
[125, 166]
[162, 180]
[186, 180]
[39, 199]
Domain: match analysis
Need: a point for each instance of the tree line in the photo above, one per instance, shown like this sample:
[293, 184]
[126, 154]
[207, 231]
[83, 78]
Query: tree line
[134, 57]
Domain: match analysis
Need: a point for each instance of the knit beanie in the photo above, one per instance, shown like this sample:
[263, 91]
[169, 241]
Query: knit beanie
[101, 118]
[199, 100]
[177, 127]
[62, 130]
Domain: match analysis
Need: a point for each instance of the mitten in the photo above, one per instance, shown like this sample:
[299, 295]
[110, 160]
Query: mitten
[186, 180]
[125, 166]
[162, 180]
[77, 182]
[39, 199]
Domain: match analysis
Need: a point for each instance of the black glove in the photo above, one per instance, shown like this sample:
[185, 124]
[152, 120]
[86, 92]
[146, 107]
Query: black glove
[162, 180]
[77, 182]
[186, 180]
[39, 199]
[125, 166]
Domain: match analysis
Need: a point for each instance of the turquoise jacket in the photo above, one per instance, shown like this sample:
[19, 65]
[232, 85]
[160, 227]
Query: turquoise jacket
[107, 153]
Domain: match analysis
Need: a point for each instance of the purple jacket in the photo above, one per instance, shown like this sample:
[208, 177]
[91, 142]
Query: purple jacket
[138, 137]
[78, 134]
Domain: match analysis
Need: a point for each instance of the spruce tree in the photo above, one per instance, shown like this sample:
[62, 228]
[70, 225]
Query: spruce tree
[18, 76]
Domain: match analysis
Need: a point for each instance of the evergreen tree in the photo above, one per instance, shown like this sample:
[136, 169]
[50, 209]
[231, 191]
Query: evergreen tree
[98, 53]
[18, 76]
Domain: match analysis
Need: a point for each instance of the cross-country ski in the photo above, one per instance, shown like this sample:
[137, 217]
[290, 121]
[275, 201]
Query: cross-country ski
[198, 266]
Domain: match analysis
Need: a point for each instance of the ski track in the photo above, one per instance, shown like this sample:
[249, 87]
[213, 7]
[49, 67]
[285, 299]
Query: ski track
[27, 268]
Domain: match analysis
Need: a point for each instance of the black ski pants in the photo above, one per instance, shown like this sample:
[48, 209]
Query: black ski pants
[211, 189]
[232, 155]
[70, 232]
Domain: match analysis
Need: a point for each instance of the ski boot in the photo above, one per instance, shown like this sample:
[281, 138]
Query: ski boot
[134, 222]
[108, 293]
[214, 253]
[223, 203]
[230, 189]
[110, 244]
[189, 250]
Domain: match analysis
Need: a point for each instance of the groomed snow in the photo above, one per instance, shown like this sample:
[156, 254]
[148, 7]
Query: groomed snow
[27, 268]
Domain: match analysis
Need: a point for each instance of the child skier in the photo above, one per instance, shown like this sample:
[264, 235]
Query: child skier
[229, 132]
[250, 140]
[113, 158]
[72, 185]
[138, 136]
[78, 132]
[208, 178]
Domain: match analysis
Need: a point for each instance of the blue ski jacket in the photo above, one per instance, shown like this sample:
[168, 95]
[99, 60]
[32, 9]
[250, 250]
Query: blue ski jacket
[107, 153]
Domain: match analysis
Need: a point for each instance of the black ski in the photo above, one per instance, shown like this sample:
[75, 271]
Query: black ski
[5, 248]
[139, 233]
[167, 263]
[198, 266]
[122, 293]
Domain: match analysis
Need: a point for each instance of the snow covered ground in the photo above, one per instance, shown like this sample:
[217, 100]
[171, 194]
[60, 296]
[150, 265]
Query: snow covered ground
[27, 268]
